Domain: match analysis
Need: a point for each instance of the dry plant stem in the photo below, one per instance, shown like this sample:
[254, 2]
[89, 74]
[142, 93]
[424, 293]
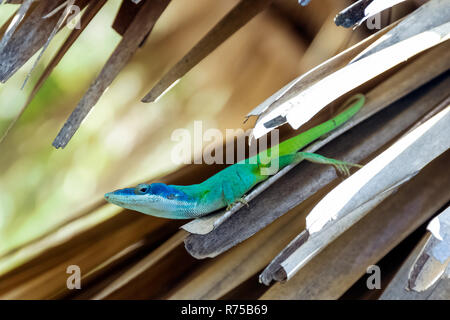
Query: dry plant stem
[145, 263]
[30, 36]
[133, 37]
[345, 260]
[397, 288]
[87, 17]
[240, 15]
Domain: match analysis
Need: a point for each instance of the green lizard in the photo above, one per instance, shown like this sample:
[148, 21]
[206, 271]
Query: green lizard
[230, 185]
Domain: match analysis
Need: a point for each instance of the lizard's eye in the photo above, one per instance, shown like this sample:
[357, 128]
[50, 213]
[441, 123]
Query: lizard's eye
[142, 189]
[171, 196]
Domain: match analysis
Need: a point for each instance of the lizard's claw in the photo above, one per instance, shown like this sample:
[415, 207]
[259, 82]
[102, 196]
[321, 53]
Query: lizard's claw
[243, 201]
[344, 168]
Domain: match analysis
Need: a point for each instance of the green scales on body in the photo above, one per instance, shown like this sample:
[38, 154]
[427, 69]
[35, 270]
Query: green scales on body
[231, 184]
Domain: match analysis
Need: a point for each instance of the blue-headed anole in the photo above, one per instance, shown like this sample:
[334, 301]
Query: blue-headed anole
[232, 183]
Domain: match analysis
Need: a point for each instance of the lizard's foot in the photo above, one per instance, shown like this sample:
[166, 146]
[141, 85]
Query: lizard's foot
[344, 167]
[243, 201]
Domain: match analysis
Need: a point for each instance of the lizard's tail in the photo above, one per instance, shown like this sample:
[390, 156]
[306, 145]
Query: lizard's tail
[352, 106]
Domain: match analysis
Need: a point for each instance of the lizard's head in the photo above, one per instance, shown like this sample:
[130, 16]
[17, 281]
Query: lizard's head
[156, 199]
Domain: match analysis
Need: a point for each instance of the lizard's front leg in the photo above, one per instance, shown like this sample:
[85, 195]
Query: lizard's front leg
[230, 196]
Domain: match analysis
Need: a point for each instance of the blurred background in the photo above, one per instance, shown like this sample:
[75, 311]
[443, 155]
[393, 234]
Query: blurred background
[123, 141]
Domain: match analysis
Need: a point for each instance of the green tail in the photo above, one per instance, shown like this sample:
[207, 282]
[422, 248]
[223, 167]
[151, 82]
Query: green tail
[298, 142]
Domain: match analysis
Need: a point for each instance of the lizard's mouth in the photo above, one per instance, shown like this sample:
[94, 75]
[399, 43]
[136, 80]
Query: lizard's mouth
[155, 205]
[114, 199]
[126, 197]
